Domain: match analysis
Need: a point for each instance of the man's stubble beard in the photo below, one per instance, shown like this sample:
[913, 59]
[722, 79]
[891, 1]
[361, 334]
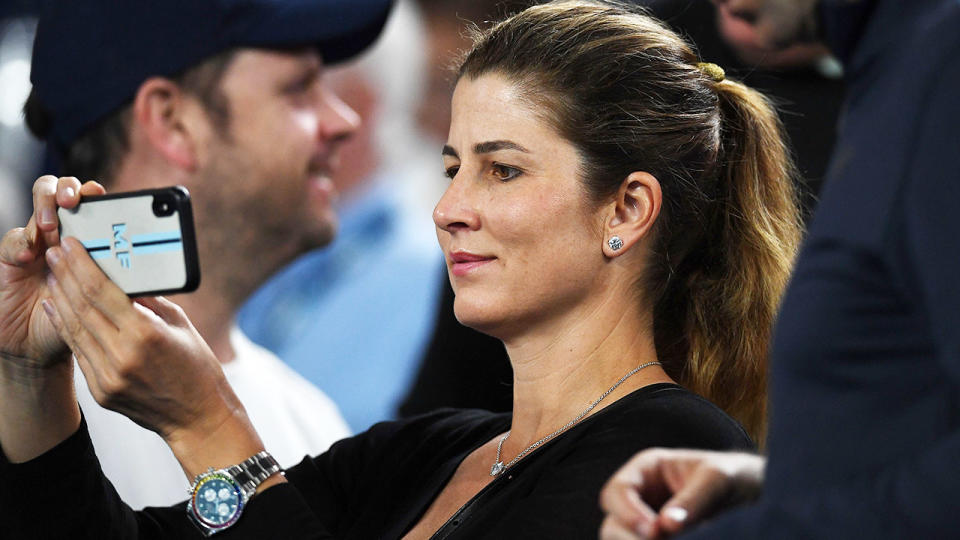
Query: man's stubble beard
[243, 235]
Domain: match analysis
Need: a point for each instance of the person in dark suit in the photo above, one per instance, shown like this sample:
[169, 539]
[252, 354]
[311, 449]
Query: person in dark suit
[865, 382]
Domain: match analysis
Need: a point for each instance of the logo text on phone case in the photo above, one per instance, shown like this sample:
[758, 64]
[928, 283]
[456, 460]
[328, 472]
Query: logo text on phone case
[121, 246]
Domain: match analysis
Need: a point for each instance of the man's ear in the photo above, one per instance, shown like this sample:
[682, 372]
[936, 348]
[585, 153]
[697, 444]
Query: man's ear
[159, 110]
[632, 213]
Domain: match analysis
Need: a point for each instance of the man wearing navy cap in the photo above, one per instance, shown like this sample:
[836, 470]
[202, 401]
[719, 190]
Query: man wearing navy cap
[226, 98]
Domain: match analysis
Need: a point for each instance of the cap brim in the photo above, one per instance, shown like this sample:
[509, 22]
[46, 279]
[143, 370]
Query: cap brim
[340, 29]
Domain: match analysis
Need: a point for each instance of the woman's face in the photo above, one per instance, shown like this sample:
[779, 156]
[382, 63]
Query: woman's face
[522, 242]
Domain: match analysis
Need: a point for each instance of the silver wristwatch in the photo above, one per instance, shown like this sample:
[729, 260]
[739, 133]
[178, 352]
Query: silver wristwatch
[218, 497]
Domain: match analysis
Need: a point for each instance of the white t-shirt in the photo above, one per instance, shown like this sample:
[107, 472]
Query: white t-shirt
[293, 418]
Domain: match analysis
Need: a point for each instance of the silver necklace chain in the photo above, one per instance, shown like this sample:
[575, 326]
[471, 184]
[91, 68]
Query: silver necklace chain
[499, 467]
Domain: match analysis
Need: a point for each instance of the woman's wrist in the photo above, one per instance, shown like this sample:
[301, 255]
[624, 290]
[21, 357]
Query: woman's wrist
[216, 441]
[38, 408]
[274, 480]
[32, 372]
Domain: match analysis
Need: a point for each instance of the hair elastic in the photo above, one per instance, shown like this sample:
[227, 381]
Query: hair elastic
[712, 70]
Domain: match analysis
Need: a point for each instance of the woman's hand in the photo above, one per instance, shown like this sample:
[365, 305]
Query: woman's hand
[26, 335]
[686, 485]
[145, 360]
[38, 408]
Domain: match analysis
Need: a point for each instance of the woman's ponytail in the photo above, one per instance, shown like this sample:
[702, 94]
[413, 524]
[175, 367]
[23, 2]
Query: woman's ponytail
[731, 308]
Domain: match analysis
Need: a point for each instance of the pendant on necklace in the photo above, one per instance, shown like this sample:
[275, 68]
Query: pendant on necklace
[496, 469]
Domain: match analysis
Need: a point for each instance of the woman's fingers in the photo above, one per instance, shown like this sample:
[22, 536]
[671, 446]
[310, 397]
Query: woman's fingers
[45, 212]
[90, 373]
[49, 194]
[85, 326]
[77, 323]
[45, 202]
[171, 313]
[68, 192]
[16, 248]
[68, 324]
[92, 188]
[22, 245]
[86, 285]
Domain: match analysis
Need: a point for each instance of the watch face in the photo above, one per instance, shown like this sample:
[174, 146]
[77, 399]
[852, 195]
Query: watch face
[217, 501]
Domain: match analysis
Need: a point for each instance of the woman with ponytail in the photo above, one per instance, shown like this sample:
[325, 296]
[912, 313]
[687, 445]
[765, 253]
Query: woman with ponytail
[633, 100]
[622, 217]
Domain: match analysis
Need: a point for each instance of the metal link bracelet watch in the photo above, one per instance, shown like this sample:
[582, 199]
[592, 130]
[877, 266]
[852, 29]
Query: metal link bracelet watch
[218, 497]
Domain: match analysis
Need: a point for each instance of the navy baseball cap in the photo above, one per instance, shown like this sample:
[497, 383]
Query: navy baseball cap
[90, 56]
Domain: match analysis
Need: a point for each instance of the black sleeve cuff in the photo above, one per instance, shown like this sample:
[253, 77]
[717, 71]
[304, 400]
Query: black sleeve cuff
[278, 512]
[73, 452]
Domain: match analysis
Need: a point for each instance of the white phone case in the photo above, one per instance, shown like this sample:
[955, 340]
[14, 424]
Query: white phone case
[142, 240]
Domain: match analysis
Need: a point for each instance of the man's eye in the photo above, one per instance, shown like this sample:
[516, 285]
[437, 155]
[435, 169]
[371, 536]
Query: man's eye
[299, 87]
[450, 172]
[302, 84]
[505, 172]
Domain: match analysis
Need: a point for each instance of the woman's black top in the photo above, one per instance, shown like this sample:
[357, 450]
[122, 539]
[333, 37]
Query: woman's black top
[378, 484]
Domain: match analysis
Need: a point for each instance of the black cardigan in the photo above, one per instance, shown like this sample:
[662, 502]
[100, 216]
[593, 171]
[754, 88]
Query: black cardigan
[379, 483]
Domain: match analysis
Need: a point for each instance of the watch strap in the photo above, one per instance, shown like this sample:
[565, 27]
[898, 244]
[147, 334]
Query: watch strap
[253, 471]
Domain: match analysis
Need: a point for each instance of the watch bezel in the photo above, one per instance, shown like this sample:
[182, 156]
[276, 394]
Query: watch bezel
[221, 474]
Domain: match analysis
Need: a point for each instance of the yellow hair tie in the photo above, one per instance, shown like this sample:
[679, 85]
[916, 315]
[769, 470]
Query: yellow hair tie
[712, 70]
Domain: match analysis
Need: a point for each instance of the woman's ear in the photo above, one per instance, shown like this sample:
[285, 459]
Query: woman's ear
[158, 112]
[631, 215]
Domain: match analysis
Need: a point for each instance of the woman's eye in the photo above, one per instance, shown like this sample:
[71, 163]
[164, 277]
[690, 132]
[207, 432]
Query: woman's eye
[450, 172]
[505, 172]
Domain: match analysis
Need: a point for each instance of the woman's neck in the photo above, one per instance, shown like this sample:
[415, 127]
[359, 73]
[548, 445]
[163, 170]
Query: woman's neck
[563, 366]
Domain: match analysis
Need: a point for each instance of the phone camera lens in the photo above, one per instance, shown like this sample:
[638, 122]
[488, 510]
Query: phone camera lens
[162, 206]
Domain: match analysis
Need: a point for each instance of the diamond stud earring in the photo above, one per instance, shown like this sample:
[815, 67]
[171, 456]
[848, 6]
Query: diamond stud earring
[615, 243]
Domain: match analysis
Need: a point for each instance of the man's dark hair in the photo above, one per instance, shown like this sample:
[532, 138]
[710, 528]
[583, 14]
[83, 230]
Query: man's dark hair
[97, 153]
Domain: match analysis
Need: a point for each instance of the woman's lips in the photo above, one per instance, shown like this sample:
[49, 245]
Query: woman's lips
[463, 263]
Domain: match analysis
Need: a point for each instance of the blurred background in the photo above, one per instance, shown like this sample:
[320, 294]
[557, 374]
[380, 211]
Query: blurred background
[369, 319]
[20, 154]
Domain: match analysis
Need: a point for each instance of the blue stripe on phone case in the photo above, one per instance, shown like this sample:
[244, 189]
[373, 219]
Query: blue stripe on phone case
[98, 249]
[103, 243]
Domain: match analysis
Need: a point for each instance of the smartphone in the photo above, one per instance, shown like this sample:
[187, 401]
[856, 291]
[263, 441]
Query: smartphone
[142, 240]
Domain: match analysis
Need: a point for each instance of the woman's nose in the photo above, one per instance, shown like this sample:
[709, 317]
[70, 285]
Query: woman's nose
[454, 212]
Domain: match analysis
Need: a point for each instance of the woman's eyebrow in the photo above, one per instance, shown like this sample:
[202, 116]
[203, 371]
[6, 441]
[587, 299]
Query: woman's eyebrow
[493, 146]
[485, 148]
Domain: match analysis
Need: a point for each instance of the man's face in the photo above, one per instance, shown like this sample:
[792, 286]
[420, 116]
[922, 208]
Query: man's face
[775, 23]
[263, 193]
[739, 29]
